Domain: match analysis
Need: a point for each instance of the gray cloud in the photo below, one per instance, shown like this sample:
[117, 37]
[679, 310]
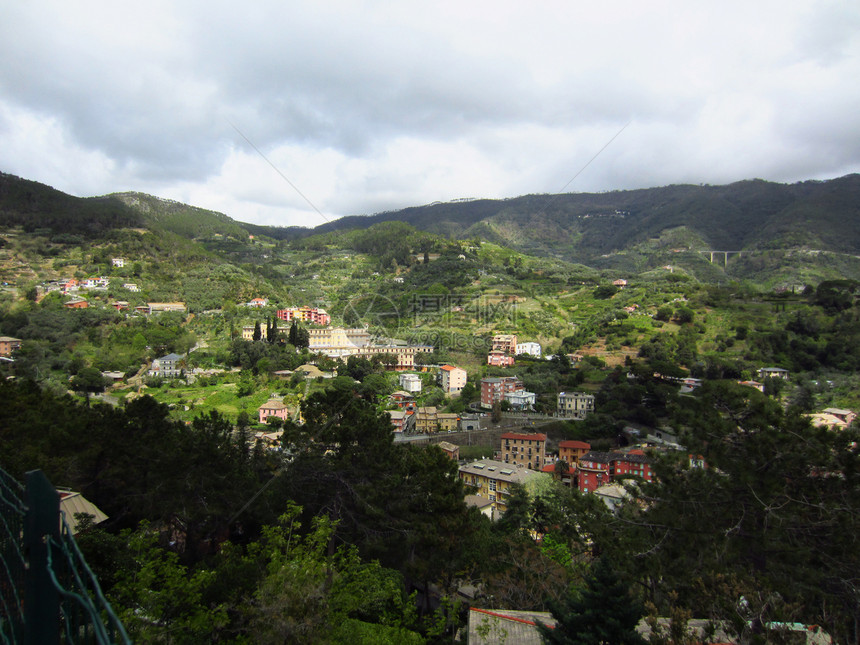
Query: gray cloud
[368, 107]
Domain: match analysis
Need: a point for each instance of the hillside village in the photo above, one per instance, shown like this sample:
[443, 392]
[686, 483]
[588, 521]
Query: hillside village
[481, 424]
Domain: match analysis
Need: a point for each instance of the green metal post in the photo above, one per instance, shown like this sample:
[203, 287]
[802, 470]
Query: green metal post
[41, 599]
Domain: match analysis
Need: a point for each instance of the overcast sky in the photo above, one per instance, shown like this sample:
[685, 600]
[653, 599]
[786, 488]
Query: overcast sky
[368, 106]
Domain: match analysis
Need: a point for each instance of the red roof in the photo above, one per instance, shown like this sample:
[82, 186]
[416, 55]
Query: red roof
[570, 443]
[548, 468]
[448, 368]
[525, 437]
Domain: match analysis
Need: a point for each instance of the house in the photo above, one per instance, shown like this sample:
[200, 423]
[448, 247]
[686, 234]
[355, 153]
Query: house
[469, 422]
[593, 470]
[119, 263]
[571, 451]
[632, 463]
[846, 416]
[453, 451]
[76, 303]
[484, 506]
[531, 349]
[754, 384]
[528, 450]
[426, 419]
[613, 495]
[131, 286]
[448, 421]
[497, 626]
[166, 306]
[273, 408]
[72, 503]
[248, 331]
[402, 420]
[498, 358]
[772, 372]
[621, 283]
[452, 379]
[505, 343]
[9, 345]
[311, 315]
[410, 382]
[401, 399]
[96, 283]
[827, 420]
[120, 305]
[167, 366]
[575, 405]
[257, 303]
[598, 468]
[492, 480]
[493, 389]
[520, 399]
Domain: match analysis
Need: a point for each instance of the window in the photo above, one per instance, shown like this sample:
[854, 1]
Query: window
[492, 484]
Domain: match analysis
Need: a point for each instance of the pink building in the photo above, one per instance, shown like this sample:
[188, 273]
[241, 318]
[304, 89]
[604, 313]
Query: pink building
[274, 408]
[310, 315]
[498, 358]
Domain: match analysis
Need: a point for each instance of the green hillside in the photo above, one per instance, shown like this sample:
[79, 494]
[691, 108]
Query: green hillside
[632, 230]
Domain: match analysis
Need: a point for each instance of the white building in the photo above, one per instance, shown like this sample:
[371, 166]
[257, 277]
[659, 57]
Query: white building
[532, 349]
[118, 262]
[575, 405]
[520, 399]
[410, 382]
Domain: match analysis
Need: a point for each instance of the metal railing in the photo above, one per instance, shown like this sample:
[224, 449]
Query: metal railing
[48, 594]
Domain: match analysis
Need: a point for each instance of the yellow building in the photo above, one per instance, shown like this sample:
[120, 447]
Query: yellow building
[426, 420]
[492, 480]
[448, 421]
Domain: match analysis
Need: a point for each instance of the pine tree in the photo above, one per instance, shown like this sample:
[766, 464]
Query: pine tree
[602, 614]
[258, 333]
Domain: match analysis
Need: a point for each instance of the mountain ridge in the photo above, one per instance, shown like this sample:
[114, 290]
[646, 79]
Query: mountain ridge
[765, 225]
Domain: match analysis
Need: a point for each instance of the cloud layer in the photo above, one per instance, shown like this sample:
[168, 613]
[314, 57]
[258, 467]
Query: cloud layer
[368, 106]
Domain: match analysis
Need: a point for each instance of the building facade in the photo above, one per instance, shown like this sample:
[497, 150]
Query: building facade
[575, 405]
[520, 399]
[497, 358]
[505, 343]
[526, 450]
[273, 408]
[596, 469]
[493, 389]
[410, 382]
[571, 451]
[9, 345]
[310, 315]
[452, 379]
[493, 479]
[530, 348]
[426, 420]
[169, 366]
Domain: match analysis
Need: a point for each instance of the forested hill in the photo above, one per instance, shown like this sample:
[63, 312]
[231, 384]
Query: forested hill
[747, 215]
[789, 234]
[39, 208]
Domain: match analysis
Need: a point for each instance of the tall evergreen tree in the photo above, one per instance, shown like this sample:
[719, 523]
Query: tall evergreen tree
[258, 333]
[604, 613]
